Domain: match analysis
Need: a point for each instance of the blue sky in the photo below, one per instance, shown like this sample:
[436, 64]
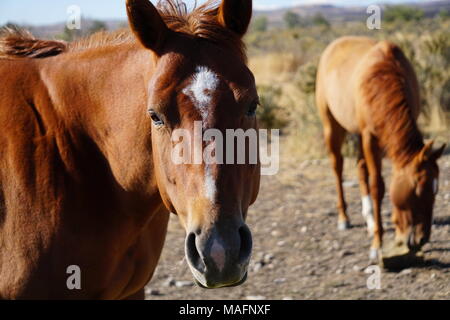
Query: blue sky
[52, 11]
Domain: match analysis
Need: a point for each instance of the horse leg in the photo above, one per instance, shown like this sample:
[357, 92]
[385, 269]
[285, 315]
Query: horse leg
[334, 137]
[373, 156]
[367, 206]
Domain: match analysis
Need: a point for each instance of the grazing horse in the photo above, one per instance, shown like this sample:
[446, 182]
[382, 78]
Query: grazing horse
[87, 179]
[369, 88]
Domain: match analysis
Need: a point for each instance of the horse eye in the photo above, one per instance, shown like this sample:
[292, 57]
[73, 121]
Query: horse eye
[251, 112]
[155, 118]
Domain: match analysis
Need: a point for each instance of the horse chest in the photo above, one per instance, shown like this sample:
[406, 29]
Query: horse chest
[124, 262]
[138, 263]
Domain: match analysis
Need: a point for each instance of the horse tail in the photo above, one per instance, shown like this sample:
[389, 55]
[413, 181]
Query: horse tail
[16, 44]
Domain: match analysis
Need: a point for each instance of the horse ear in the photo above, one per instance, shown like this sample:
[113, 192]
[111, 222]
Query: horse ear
[436, 154]
[147, 24]
[236, 15]
[426, 151]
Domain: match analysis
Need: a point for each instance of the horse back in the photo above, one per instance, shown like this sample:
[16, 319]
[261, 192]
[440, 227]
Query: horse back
[345, 83]
[336, 79]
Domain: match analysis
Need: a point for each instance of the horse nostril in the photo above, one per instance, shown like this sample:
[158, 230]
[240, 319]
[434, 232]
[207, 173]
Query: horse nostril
[192, 253]
[246, 244]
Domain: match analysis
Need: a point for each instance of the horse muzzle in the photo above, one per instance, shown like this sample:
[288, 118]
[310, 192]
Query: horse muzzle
[219, 257]
[414, 239]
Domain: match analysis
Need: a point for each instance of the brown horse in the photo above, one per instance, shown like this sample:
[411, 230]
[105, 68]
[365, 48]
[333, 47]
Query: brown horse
[369, 88]
[86, 175]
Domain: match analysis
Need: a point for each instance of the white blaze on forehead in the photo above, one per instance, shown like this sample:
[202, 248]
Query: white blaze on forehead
[201, 89]
[218, 254]
[210, 184]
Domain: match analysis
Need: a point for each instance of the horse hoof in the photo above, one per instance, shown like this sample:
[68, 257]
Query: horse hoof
[343, 225]
[374, 255]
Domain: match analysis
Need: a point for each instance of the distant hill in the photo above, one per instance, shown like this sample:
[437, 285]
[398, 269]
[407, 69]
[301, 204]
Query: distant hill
[52, 30]
[330, 12]
[335, 14]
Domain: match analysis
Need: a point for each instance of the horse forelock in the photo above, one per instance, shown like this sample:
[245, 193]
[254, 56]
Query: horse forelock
[201, 22]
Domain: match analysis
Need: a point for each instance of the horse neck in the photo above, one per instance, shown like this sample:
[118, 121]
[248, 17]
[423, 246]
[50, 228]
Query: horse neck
[104, 91]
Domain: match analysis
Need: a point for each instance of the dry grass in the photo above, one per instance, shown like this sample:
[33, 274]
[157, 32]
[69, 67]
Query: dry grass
[275, 67]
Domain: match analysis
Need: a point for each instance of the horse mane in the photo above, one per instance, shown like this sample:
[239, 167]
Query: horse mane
[389, 97]
[200, 23]
[15, 43]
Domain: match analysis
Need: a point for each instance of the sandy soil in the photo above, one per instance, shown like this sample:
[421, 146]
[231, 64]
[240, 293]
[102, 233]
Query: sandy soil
[298, 252]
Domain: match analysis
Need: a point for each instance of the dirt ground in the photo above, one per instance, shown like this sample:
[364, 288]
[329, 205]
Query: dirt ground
[298, 252]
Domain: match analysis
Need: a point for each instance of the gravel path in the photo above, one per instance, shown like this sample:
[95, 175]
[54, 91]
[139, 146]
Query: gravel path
[298, 252]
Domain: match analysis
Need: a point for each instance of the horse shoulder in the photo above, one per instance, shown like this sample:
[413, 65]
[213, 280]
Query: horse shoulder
[28, 200]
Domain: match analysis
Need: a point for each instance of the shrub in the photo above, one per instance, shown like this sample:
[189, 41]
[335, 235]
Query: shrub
[291, 20]
[260, 24]
[269, 113]
[402, 13]
[97, 26]
[306, 78]
[320, 20]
